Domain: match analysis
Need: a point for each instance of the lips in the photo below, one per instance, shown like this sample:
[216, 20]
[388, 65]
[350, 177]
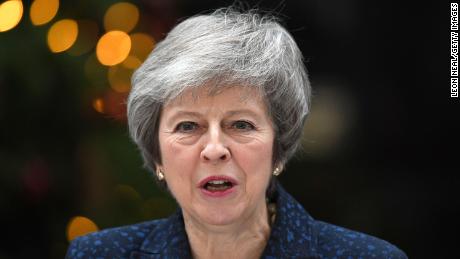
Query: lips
[217, 183]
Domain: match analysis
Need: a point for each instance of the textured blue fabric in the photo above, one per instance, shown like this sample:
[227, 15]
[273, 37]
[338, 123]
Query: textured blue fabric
[295, 234]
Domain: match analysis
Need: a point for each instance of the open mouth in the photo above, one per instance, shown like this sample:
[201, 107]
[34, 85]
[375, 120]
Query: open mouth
[216, 184]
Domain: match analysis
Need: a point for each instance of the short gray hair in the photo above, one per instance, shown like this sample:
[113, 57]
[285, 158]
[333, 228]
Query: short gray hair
[224, 48]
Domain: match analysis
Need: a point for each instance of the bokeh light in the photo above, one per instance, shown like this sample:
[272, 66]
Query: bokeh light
[62, 35]
[120, 78]
[79, 226]
[98, 105]
[121, 16]
[132, 62]
[331, 118]
[113, 47]
[141, 46]
[115, 105]
[43, 11]
[87, 38]
[10, 14]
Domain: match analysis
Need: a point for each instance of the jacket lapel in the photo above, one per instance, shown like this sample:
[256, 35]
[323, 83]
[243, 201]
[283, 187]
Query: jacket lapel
[167, 240]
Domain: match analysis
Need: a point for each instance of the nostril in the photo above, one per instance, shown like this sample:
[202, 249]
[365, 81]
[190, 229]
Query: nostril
[222, 158]
[215, 153]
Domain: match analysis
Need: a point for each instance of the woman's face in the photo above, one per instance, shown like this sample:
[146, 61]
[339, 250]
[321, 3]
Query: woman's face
[217, 153]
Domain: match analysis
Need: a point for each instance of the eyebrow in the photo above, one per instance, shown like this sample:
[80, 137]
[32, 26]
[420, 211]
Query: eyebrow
[197, 114]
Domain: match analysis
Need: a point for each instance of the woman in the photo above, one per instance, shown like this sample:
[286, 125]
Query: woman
[217, 110]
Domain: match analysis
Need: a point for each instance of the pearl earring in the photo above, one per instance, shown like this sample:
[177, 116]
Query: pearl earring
[277, 171]
[160, 174]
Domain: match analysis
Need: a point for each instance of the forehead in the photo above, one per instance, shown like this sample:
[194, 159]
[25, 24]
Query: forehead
[236, 95]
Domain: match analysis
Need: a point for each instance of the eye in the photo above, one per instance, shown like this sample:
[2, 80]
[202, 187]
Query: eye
[186, 126]
[243, 126]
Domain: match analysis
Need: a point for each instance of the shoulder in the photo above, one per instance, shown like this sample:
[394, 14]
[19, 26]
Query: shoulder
[339, 242]
[113, 242]
[299, 234]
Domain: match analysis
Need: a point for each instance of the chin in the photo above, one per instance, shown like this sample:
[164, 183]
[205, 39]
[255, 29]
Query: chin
[220, 216]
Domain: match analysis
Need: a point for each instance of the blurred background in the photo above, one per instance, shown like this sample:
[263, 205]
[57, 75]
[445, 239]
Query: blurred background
[379, 151]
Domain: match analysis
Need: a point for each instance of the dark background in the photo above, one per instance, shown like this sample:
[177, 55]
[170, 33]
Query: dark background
[380, 146]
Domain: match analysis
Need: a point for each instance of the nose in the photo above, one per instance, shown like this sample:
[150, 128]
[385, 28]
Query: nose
[215, 150]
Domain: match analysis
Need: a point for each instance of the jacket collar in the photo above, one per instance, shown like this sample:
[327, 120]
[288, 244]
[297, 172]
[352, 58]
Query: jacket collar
[292, 234]
[167, 240]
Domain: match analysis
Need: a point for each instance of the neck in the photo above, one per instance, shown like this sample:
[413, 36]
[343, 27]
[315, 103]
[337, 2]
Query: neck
[246, 238]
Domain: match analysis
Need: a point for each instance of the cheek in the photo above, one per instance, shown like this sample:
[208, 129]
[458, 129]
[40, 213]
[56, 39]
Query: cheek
[174, 159]
[256, 159]
[177, 163]
[174, 153]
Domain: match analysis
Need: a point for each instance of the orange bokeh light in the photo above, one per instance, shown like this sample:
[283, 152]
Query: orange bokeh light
[62, 35]
[43, 11]
[98, 105]
[141, 46]
[79, 226]
[121, 16]
[10, 14]
[132, 62]
[120, 78]
[113, 47]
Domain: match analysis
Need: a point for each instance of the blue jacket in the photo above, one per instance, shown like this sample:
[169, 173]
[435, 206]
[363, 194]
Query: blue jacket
[295, 234]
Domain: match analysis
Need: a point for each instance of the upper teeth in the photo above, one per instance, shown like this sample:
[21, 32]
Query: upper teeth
[217, 181]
